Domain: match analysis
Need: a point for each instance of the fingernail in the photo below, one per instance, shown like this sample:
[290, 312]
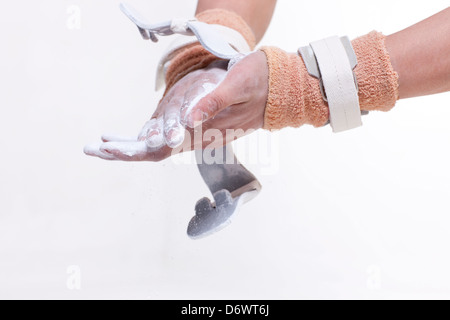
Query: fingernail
[93, 150]
[196, 116]
[143, 134]
[129, 149]
[146, 129]
[154, 139]
[107, 149]
[175, 137]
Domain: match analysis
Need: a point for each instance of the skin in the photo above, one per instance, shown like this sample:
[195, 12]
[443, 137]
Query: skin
[245, 112]
[420, 54]
[257, 13]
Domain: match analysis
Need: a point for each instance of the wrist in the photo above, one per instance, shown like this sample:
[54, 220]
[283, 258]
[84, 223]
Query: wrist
[194, 57]
[295, 97]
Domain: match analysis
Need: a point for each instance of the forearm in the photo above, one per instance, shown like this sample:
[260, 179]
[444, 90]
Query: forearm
[245, 17]
[420, 55]
[257, 13]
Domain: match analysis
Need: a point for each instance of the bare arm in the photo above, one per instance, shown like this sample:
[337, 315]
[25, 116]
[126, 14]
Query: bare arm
[257, 13]
[421, 56]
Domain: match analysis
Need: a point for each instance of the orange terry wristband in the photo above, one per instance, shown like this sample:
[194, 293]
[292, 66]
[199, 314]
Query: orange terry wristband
[194, 56]
[294, 96]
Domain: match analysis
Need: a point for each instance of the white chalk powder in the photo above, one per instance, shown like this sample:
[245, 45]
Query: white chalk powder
[93, 149]
[208, 88]
[113, 137]
[127, 148]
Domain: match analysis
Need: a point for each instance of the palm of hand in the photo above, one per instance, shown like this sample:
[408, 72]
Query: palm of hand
[222, 105]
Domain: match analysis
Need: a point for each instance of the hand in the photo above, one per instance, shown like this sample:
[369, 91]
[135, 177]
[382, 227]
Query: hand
[211, 100]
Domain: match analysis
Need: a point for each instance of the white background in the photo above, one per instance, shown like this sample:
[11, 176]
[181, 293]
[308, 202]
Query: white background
[362, 214]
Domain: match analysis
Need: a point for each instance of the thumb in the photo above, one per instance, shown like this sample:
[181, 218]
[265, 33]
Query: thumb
[230, 91]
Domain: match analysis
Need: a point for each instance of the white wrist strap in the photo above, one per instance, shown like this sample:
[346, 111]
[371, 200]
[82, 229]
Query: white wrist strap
[223, 42]
[332, 61]
[231, 36]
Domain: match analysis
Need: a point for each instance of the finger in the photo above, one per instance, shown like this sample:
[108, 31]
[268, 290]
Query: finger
[155, 135]
[113, 137]
[173, 130]
[207, 106]
[126, 151]
[135, 151]
[192, 97]
[145, 129]
[94, 151]
[235, 88]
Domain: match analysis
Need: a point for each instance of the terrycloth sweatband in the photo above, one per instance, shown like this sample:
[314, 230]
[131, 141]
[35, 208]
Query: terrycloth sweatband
[295, 98]
[230, 36]
[193, 56]
[332, 61]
